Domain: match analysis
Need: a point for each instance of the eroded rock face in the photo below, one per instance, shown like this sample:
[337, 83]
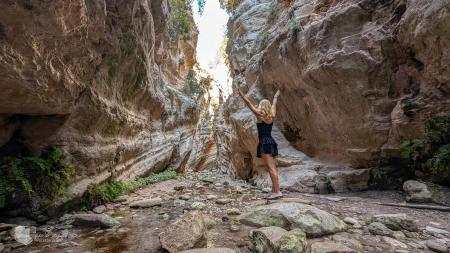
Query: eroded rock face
[356, 77]
[101, 79]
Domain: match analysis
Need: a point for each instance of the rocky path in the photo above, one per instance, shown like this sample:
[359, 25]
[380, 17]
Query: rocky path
[228, 211]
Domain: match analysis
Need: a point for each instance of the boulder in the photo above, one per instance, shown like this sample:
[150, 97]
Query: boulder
[278, 240]
[397, 221]
[349, 180]
[99, 209]
[330, 247]
[313, 221]
[91, 220]
[146, 203]
[185, 234]
[417, 192]
[377, 228]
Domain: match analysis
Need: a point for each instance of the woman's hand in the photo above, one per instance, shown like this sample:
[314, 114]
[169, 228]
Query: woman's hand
[277, 93]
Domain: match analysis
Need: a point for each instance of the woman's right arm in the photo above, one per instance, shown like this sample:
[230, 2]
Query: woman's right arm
[248, 103]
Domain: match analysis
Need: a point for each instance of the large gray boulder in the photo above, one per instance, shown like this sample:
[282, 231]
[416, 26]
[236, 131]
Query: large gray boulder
[417, 192]
[187, 233]
[315, 222]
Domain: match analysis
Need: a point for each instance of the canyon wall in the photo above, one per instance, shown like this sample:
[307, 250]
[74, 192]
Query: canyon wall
[356, 78]
[103, 80]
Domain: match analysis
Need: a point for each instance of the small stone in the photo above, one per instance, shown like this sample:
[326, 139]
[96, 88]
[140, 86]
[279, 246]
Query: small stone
[233, 211]
[351, 221]
[178, 188]
[185, 197]
[99, 209]
[377, 228]
[266, 190]
[211, 197]
[165, 216]
[417, 192]
[437, 246]
[198, 205]
[179, 202]
[399, 235]
[145, 203]
[223, 201]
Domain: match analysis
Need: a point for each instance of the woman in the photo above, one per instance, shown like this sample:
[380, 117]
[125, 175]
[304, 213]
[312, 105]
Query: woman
[267, 147]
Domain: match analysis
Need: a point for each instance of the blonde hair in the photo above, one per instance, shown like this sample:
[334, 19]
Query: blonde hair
[265, 109]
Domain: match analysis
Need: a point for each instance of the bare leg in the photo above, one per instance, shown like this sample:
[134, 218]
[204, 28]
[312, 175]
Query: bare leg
[270, 163]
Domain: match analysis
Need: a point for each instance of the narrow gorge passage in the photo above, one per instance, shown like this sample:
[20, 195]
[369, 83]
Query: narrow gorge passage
[122, 128]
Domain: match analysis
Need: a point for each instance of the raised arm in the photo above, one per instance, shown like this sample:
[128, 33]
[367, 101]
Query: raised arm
[249, 104]
[274, 103]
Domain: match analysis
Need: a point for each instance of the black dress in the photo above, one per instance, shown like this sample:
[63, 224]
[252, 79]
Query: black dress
[267, 144]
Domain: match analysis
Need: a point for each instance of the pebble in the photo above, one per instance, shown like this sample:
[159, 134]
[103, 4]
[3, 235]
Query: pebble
[234, 228]
[223, 201]
[211, 197]
[185, 197]
[437, 246]
[233, 211]
[351, 221]
[266, 190]
[99, 209]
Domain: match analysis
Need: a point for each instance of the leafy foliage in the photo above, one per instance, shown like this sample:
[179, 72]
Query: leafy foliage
[197, 85]
[431, 155]
[181, 22]
[229, 5]
[46, 176]
[108, 191]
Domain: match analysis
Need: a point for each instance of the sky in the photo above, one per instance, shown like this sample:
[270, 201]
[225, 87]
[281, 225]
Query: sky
[212, 26]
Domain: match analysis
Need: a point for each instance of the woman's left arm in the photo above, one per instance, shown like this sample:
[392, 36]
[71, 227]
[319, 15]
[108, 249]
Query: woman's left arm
[274, 103]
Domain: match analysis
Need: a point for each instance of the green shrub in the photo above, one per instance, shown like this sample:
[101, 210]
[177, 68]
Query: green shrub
[181, 21]
[432, 154]
[108, 191]
[46, 176]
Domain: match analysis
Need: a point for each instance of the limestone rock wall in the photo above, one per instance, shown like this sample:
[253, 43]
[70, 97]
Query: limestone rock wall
[356, 76]
[101, 79]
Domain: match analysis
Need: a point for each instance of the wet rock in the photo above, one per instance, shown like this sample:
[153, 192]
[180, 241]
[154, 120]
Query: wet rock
[437, 246]
[184, 234]
[397, 221]
[92, 220]
[278, 240]
[209, 250]
[223, 201]
[377, 228]
[315, 222]
[146, 203]
[330, 247]
[198, 205]
[417, 192]
[233, 211]
[99, 209]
